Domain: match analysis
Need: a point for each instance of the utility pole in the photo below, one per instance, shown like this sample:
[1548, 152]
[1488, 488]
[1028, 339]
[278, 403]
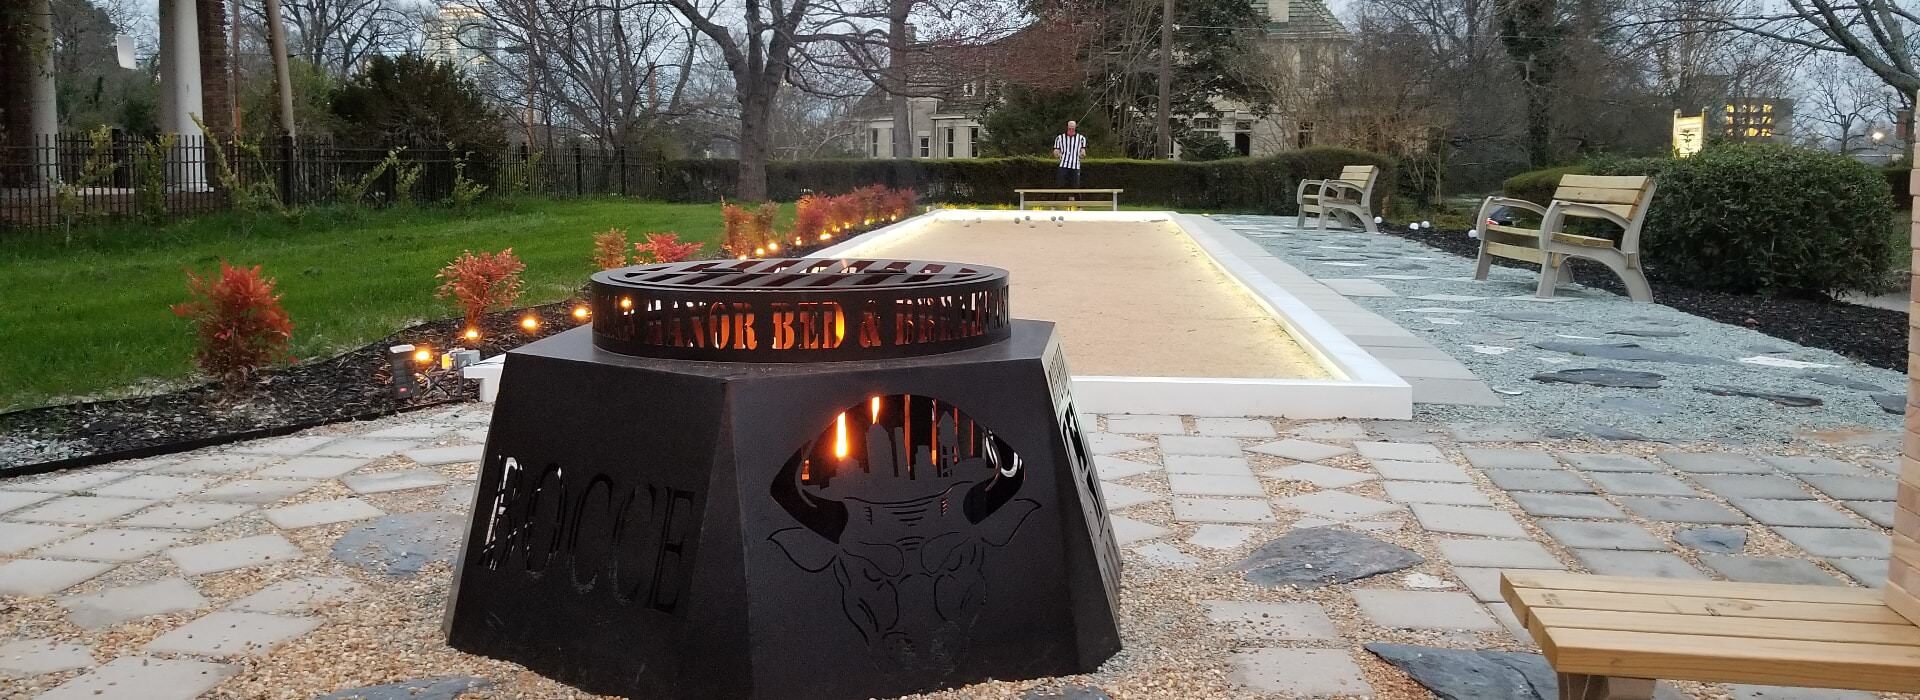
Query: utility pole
[1164, 149]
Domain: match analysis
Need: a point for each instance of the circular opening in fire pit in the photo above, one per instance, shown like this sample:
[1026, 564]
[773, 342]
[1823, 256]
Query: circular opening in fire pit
[798, 309]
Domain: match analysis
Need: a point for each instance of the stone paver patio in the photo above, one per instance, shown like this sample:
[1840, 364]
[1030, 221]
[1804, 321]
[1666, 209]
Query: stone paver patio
[319, 563]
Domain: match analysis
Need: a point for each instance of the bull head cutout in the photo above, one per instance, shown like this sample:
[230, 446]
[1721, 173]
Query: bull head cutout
[902, 498]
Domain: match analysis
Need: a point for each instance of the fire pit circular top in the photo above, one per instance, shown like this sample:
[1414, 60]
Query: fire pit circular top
[798, 309]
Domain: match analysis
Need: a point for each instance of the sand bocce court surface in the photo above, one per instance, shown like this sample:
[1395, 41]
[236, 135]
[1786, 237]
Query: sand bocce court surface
[1132, 299]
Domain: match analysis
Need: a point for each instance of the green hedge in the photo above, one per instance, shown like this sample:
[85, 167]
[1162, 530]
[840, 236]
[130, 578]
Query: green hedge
[1238, 184]
[1538, 185]
[1759, 218]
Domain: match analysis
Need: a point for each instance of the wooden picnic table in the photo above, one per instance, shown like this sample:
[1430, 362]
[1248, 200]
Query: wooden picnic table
[1110, 197]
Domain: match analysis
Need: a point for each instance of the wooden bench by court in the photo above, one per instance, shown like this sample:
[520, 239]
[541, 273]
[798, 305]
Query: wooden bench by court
[1068, 198]
[1613, 637]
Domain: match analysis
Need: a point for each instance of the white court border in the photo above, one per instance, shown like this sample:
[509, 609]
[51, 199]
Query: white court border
[1360, 386]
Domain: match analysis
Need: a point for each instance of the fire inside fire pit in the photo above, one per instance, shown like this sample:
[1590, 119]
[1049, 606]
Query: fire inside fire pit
[792, 478]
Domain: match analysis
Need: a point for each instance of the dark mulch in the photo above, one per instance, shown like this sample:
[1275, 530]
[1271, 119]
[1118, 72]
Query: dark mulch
[345, 387]
[1874, 336]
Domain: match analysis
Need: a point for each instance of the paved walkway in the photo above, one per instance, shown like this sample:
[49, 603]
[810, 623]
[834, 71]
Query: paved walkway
[318, 563]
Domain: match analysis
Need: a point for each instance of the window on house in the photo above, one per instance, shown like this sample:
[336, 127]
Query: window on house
[923, 147]
[1303, 136]
[873, 143]
[949, 142]
[1243, 125]
[967, 90]
[973, 141]
[1206, 123]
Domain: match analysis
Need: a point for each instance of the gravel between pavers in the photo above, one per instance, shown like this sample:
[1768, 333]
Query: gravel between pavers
[1679, 411]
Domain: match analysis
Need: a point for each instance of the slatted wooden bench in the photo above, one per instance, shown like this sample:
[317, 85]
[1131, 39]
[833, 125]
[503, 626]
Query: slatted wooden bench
[1620, 200]
[1109, 198]
[1611, 637]
[1350, 194]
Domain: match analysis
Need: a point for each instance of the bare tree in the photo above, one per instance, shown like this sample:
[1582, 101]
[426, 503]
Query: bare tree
[338, 34]
[1847, 103]
[1876, 33]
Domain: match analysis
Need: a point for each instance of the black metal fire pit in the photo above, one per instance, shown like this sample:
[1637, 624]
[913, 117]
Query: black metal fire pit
[792, 478]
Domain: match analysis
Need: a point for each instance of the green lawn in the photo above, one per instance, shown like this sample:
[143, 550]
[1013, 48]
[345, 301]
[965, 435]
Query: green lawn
[90, 318]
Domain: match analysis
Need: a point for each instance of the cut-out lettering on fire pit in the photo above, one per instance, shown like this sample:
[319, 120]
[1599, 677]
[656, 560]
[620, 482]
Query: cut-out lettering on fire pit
[798, 309]
[792, 479]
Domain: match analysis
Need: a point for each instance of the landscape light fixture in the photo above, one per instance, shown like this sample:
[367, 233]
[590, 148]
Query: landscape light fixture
[581, 314]
[400, 359]
[530, 323]
[471, 334]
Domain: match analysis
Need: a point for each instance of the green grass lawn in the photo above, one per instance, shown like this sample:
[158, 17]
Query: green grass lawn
[91, 318]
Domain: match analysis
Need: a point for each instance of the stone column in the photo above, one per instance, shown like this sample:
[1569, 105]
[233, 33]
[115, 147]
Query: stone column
[180, 92]
[1903, 570]
[46, 116]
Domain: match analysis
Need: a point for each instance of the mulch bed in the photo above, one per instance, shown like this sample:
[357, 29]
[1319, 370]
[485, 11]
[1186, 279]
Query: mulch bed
[353, 385]
[1871, 335]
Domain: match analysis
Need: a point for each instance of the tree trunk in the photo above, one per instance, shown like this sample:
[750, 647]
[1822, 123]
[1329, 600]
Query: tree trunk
[1539, 126]
[756, 111]
[897, 39]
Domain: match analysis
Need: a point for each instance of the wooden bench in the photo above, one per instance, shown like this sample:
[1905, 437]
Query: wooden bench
[1620, 200]
[1611, 637]
[1110, 197]
[1351, 194]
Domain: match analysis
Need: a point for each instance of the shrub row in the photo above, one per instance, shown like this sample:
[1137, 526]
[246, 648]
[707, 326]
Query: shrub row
[1240, 184]
[1756, 218]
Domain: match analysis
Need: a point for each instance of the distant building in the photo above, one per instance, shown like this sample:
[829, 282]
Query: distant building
[1762, 119]
[460, 36]
[955, 85]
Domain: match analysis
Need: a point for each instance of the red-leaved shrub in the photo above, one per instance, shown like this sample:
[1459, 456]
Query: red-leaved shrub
[610, 249]
[481, 282]
[737, 231]
[665, 248]
[239, 322]
[810, 218]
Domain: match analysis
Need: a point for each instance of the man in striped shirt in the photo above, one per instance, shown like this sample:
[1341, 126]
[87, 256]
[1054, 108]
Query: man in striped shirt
[1069, 147]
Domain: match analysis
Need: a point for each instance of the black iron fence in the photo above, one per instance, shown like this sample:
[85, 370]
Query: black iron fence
[68, 178]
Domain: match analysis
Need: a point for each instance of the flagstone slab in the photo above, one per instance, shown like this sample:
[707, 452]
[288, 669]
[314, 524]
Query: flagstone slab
[1510, 459]
[1588, 462]
[1421, 471]
[1423, 610]
[1566, 505]
[1837, 542]
[187, 516]
[153, 486]
[46, 576]
[220, 463]
[435, 688]
[1853, 488]
[1814, 465]
[1400, 451]
[1602, 535]
[256, 491]
[1435, 493]
[1461, 520]
[1188, 464]
[1312, 557]
[363, 447]
[1221, 510]
[1637, 484]
[1220, 536]
[1166, 556]
[71, 482]
[25, 658]
[1607, 562]
[1127, 531]
[1877, 512]
[1234, 427]
[322, 513]
[1337, 505]
[227, 555]
[114, 544]
[1713, 540]
[412, 431]
[1331, 430]
[401, 544]
[1108, 443]
[1278, 622]
[1497, 554]
[1494, 432]
[289, 445]
[1216, 485]
[1714, 463]
[1794, 513]
[1199, 446]
[1121, 496]
[310, 467]
[1871, 573]
[1115, 468]
[1559, 481]
[1299, 672]
[143, 678]
[229, 634]
[1770, 486]
[1682, 510]
[1799, 572]
[454, 454]
[1321, 476]
[15, 500]
[80, 510]
[1301, 450]
[299, 595]
[17, 538]
[117, 605]
[383, 482]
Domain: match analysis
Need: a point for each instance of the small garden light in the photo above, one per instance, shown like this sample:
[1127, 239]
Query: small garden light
[400, 360]
[471, 334]
[581, 314]
[626, 303]
[773, 246]
[760, 252]
[423, 356]
[529, 323]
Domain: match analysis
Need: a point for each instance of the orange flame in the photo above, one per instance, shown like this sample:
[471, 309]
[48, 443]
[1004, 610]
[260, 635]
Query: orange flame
[876, 409]
[840, 437]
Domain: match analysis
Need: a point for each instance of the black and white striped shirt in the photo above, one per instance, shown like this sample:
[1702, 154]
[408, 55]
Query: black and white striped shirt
[1071, 147]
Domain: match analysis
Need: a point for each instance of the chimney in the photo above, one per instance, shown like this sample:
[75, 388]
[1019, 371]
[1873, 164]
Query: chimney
[1277, 11]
